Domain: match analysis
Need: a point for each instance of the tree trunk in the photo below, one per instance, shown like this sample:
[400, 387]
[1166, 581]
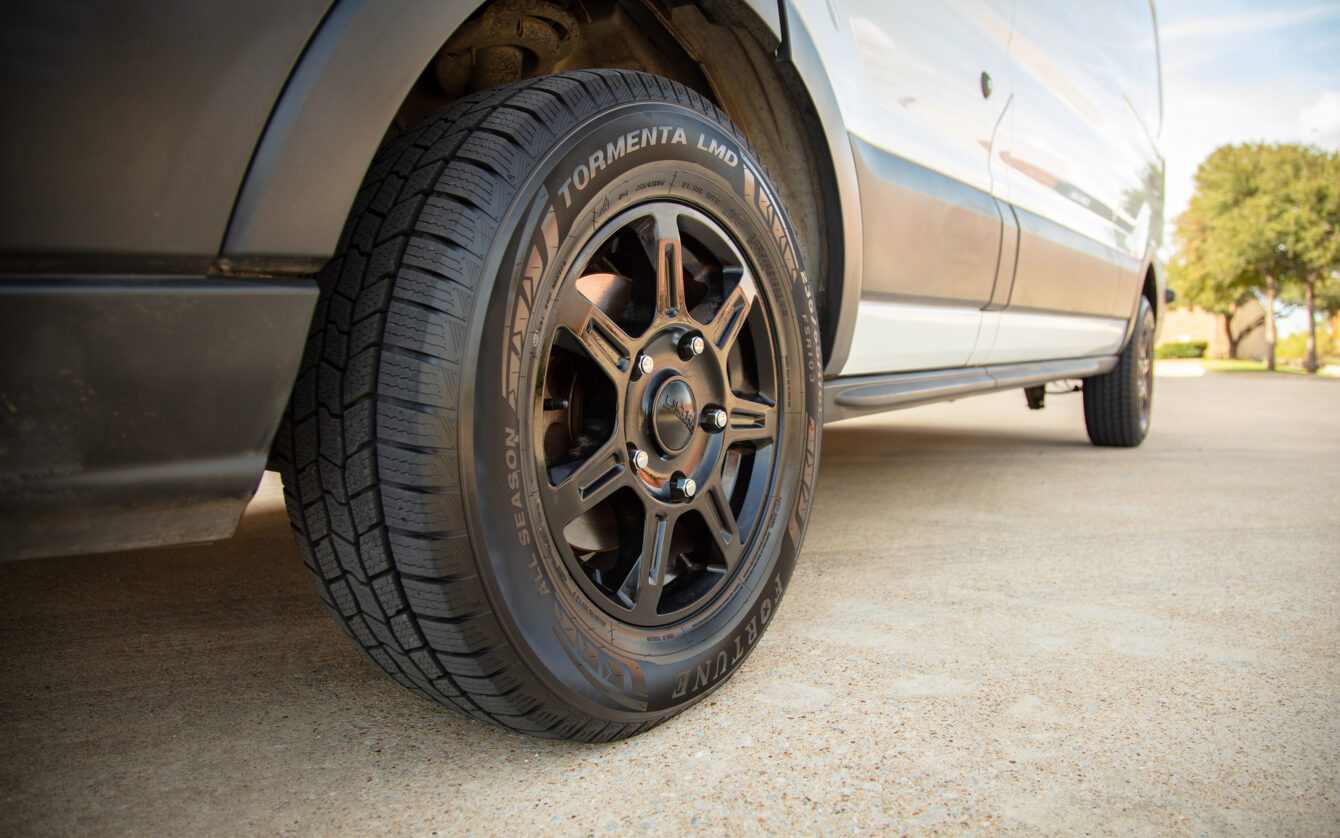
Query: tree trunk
[1270, 322]
[1311, 326]
[1228, 333]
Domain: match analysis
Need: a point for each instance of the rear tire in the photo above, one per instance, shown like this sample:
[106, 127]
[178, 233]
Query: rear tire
[1117, 404]
[459, 452]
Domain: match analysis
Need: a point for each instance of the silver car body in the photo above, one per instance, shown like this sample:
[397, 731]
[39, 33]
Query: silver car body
[1010, 186]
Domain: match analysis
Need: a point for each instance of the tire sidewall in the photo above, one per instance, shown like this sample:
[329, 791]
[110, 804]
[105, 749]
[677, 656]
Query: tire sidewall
[603, 667]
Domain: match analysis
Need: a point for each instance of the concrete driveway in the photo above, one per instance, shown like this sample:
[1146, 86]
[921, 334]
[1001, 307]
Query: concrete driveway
[995, 628]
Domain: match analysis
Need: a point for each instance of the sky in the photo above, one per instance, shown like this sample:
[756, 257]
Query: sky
[1239, 71]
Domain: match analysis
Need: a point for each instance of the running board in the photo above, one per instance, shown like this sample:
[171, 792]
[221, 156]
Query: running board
[845, 398]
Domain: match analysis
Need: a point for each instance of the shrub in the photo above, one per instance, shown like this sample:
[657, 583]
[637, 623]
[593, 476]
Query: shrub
[1189, 349]
[1294, 347]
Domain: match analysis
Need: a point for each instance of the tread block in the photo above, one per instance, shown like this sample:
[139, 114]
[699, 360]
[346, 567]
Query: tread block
[366, 601]
[432, 291]
[498, 683]
[424, 512]
[467, 182]
[480, 665]
[461, 637]
[422, 471]
[428, 556]
[414, 379]
[373, 552]
[428, 665]
[441, 258]
[446, 599]
[399, 424]
[366, 510]
[419, 329]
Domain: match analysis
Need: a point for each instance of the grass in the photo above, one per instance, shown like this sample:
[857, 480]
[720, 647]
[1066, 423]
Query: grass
[1251, 366]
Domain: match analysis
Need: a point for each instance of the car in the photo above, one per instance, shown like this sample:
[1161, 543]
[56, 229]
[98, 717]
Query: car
[539, 307]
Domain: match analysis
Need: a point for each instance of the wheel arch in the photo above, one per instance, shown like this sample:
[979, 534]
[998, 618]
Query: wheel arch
[747, 56]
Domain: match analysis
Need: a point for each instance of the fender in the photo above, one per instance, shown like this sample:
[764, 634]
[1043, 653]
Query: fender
[799, 52]
[326, 127]
[329, 121]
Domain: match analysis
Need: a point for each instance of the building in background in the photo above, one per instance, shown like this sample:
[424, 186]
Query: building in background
[1182, 325]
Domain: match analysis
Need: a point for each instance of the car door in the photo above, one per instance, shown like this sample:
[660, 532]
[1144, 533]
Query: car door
[1075, 157]
[922, 87]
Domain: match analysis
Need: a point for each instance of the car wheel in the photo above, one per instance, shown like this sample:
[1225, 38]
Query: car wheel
[1117, 404]
[551, 453]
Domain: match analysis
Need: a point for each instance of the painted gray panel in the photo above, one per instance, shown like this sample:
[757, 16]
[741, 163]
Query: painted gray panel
[927, 237]
[1063, 271]
[133, 122]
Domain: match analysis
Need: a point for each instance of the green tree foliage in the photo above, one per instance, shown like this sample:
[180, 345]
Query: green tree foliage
[1264, 220]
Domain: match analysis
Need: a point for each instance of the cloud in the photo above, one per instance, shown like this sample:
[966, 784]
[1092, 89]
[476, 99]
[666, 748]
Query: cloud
[1222, 26]
[1319, 123]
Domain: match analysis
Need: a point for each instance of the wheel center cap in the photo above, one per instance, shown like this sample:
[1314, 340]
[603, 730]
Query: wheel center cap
[674, 415]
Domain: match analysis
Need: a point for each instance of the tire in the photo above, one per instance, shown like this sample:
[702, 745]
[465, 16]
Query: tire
[460, 452]
[1117, 404]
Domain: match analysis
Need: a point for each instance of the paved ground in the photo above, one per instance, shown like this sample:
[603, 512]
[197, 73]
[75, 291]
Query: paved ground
[995, 629]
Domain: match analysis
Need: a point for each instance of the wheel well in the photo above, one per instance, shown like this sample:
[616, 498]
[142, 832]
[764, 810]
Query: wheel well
[718, 48]
[1151, 292]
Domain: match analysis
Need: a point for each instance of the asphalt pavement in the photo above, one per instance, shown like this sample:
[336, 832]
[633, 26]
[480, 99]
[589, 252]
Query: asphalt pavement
[995, 628]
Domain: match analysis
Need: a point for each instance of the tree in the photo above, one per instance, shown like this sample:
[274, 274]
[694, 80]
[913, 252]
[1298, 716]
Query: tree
[1213, 268]
[1305, 226]
[1263, 220]
[1222, 297]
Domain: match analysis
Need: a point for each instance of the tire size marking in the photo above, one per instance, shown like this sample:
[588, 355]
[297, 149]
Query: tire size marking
[614, 150]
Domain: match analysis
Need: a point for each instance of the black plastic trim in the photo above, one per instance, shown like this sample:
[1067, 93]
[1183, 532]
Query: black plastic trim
[139, 410]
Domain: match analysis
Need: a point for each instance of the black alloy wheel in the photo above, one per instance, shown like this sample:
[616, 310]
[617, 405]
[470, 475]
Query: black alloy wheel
[658, 417]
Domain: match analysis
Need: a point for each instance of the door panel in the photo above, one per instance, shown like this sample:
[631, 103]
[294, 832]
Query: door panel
[1075, 154]
[908, 78]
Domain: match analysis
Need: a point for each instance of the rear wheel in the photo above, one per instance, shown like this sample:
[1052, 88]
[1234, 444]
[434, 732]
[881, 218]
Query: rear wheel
[1117, 404]
[551, 454]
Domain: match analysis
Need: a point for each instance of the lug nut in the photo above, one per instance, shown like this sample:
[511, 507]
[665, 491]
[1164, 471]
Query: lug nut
[691, 345]
[714, 419]
[645, 364]
[683, 488]
[638, 458]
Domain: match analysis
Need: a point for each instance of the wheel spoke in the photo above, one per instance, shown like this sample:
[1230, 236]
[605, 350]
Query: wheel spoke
[751, 421]
[641, 589]
[729, 320]
[720, 519]
[669, 262]
[588, 483]
[602, 339]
